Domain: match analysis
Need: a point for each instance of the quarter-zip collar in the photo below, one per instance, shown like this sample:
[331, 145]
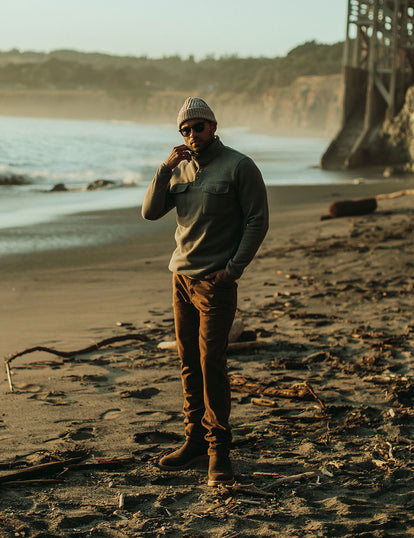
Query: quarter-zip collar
[209, 153]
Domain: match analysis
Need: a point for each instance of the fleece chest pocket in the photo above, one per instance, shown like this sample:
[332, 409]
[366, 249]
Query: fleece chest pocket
[178, 192]
[216, 198]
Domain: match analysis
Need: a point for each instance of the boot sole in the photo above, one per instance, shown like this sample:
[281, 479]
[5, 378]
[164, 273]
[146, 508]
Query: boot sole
[215, 483]
[204, 457]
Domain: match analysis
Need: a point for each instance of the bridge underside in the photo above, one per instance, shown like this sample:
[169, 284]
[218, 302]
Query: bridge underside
[378, 70]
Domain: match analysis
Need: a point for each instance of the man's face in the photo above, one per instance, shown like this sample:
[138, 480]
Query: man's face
[198, 133]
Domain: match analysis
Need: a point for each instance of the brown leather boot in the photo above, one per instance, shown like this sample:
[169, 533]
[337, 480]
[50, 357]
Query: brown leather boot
[184, 457]
[220, 472]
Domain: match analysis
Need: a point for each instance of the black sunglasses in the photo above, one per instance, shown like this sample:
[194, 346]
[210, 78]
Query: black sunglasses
[197, 127]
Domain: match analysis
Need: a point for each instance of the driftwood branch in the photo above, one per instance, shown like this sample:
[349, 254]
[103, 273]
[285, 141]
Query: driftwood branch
[69, 354]
[249, 490]
[302, 391]
[114, 463]
[406, 192]
[36, 470]
[285, 479]
[40, 474]
[38, 482]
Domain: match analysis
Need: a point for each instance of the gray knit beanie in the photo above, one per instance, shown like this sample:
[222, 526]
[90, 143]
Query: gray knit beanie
[194, 108]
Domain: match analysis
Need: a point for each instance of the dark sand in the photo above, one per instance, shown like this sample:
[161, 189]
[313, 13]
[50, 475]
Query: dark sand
[329, 392]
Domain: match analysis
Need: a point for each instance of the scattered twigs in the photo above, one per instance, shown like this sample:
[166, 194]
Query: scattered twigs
[68, 354]
[212, 508]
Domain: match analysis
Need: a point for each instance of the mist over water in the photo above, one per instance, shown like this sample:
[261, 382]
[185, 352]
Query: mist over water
[41, 153]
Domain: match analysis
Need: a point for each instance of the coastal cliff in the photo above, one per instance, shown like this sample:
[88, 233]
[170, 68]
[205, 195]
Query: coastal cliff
[310, 105]
[298, 93]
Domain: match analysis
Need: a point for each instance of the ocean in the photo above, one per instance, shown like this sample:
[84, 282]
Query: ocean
[37, 153]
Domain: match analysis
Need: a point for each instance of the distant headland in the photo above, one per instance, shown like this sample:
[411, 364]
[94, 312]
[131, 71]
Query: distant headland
[297, 93]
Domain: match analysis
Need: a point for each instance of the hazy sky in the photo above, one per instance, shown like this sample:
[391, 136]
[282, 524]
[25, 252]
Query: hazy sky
[166, 27]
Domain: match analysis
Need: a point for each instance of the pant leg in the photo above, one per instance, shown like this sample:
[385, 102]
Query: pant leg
[216, 304]
[187, 323]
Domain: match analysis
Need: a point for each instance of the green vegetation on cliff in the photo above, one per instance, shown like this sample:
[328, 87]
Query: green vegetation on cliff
[71, 70]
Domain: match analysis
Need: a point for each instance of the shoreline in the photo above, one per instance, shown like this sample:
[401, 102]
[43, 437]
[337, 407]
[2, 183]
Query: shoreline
[124, 224]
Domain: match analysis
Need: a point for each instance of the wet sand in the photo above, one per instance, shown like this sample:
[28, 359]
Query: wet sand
[326, 395]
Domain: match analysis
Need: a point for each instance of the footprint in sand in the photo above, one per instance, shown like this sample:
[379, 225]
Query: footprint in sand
[82, 434]
[111, 414]
[50, 398]
[27, 387]
[156, 436]
[141, 394]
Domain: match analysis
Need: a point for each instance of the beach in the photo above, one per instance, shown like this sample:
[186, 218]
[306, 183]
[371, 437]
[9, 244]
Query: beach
[322, 380]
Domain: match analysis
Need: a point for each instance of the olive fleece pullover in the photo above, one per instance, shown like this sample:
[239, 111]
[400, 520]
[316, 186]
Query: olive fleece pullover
[222, 211]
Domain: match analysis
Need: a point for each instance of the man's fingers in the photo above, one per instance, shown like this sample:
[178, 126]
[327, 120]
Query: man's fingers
[178, 154]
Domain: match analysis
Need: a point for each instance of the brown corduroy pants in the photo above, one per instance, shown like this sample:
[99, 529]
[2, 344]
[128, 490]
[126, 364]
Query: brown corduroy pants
[204, 313]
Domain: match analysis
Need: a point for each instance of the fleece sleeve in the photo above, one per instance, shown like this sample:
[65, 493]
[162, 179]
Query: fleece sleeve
[157, 200]
[253, 202]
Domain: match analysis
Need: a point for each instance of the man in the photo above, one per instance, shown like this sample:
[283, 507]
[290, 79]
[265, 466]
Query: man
[222, 218]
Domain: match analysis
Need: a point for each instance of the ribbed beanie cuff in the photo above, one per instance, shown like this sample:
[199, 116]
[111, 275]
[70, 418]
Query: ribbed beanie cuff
[194, 108]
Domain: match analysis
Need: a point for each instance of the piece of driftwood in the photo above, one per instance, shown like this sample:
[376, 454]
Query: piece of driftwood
[351, 208]
[390, 195]
[249, 490]
[361, 206]
[290, 479]
[268, 475]
[23, 476]
[263, 402]
[69, 354]
[380, 379]
[302, 391]
[38, 482]
[102, 463]
[238, 346]
[294, 478]
[36, 470]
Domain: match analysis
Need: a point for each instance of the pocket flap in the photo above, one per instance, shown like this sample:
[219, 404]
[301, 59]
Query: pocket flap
[217, 188]
[177, 188]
